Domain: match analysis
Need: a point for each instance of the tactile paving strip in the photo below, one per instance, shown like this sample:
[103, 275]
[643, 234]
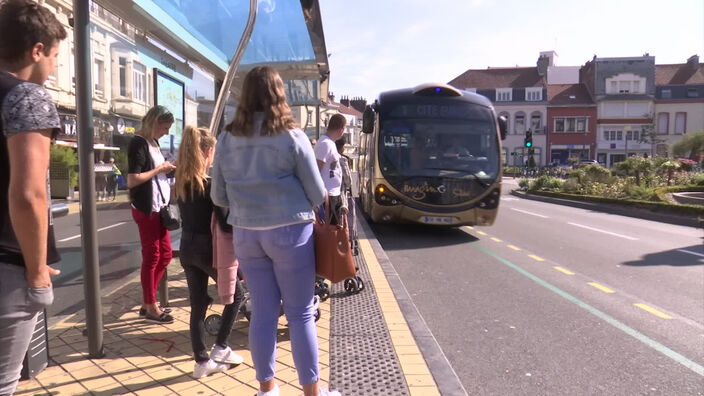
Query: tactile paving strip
[362, 357]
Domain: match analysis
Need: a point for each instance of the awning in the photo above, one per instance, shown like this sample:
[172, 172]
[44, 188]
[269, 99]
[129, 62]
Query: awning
[288, 34]
[97, 146]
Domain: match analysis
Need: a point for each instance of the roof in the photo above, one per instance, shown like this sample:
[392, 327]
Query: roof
[512, 77]
[348, 110]
[569, 94]
[678, 74]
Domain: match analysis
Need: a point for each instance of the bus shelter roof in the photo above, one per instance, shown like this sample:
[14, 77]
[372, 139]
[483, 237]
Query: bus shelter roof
[288, 34]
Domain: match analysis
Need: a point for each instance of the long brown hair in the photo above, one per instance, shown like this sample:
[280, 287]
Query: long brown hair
[157, 114]
[262, 91]
[191, 172]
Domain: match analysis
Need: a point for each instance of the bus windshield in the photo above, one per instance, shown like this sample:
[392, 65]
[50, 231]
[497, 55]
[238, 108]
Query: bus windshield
[451, 148]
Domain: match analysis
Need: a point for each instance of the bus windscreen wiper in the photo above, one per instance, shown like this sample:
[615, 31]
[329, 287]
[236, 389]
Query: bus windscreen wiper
[474, 175]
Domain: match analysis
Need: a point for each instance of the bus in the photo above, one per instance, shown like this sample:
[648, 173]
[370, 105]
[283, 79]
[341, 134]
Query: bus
[431, 155]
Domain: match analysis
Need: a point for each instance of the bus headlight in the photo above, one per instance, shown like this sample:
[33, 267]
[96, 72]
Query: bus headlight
[491, 201]
[383, 196]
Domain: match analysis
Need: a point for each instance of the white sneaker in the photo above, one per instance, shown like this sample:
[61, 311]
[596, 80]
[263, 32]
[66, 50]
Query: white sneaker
[327, 392]
[206, 368]
[273, 392]
[225, 355]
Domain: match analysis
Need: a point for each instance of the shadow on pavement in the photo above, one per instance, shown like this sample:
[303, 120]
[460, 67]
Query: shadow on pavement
[683, 257]
[412, 236]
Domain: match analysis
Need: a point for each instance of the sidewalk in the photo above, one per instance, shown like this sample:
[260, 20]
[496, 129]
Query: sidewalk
[366, 346]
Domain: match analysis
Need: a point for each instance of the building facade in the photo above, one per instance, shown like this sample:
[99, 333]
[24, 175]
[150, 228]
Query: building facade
[679, 103]
[571, 124]
[624, 92]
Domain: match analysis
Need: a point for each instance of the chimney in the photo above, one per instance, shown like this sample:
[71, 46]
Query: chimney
[359, 104]
[331, 96]
[693, 62]
[345, 101]
[543, 63]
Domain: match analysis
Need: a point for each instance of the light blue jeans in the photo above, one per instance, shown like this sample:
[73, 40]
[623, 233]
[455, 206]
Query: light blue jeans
[279, 265]
[19, 305]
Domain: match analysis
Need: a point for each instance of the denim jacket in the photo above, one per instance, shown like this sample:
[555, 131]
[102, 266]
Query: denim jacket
[267, 181]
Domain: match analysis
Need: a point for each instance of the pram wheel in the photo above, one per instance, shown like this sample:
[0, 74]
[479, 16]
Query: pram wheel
[322, 289]
[360, 284]
[212, 324]
[351, 285]
[317, 314]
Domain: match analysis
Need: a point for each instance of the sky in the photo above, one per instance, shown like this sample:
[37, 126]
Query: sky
[377, 45]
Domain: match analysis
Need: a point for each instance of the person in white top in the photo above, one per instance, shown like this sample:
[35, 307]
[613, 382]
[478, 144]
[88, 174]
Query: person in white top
[329, 164]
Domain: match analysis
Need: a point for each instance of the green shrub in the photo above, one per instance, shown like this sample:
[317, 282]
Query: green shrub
[65, 157]
[642, 193]
[546, 182]
[523, 183]
[597, 173]
[698, 179]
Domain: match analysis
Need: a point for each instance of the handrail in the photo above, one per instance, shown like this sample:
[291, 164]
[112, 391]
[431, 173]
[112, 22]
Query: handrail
[232, 70]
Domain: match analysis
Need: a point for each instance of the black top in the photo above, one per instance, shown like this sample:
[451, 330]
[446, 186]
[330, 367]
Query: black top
[138, 161]
[196, 212]
[24, 106]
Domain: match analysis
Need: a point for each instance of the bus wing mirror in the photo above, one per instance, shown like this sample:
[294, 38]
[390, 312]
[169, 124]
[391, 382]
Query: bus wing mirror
[368, 120]
[503, 126]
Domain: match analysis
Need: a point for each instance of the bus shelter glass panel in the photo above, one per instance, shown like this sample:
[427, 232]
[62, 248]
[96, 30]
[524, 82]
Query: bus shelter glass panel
[280, 34]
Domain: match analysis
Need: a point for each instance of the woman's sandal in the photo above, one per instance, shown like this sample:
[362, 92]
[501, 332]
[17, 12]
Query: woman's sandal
[163, 318]
[143, 311]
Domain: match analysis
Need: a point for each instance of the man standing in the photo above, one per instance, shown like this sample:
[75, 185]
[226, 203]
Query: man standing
[329, 164]
[29, 45]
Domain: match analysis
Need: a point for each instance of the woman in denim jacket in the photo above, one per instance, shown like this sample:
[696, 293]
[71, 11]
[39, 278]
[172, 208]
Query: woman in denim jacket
[266, 172]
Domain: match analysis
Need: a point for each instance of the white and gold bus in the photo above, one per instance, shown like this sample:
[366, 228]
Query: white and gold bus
[431, 155]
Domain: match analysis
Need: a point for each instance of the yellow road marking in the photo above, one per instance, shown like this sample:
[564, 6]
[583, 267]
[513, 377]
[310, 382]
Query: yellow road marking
[470, 227]
[600, 287]
[481, 232]
[536, 258]
[514, 247]
[564, 270]
[653, 311]
[496, 239]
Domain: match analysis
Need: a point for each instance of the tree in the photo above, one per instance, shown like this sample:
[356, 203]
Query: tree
[669, 166]
[690, 146]
[637, 166]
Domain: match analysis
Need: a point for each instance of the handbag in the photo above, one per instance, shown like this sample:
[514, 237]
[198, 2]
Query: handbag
[169, 214]
[333, 256]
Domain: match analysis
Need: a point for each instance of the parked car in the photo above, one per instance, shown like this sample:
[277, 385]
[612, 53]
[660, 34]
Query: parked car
[584, 163]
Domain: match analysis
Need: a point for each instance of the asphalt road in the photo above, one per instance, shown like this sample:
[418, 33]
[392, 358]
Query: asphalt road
[559, 300]
[119, 256]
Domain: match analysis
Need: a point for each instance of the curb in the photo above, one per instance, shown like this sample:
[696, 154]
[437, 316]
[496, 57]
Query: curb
[688, 221]
[445, 377]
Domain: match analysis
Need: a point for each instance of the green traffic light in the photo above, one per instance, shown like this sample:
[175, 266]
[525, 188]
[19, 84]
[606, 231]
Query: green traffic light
[528, 144]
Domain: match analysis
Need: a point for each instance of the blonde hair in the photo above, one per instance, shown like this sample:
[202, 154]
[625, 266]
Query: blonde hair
[191, 172]
[262, 91]
[157, 114]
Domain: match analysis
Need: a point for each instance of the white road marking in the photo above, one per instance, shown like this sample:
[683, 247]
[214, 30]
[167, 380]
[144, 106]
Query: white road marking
[530, 213]
[99, 229]
[603, 231]
[509, 199]
[690, 252]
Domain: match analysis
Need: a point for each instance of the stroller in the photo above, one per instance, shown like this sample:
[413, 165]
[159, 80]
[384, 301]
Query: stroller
[212, 322]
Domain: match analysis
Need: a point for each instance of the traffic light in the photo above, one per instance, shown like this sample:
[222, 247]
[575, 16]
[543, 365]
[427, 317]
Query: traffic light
[528, 140]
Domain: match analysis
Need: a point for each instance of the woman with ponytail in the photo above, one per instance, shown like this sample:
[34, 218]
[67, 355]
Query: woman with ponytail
[193, 193]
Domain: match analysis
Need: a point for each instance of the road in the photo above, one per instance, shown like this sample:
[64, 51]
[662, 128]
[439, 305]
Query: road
[119, 252]
[559, 300]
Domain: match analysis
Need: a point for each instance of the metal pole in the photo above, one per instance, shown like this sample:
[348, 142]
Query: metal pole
[89, 235]
[232, 70]
[317, 120]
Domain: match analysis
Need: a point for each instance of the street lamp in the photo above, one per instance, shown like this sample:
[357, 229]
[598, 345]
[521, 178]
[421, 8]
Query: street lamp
[627, 129]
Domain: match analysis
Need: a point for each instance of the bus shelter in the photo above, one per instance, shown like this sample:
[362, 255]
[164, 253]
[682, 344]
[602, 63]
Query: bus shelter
[225, 37]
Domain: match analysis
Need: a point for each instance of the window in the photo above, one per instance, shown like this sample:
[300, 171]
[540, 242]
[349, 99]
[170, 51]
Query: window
[123, 76]
[534, 94]
[99, 77]
[666, 94]
[571, 124]
[520, 123]
[619, 135]
[680, 123]
[72, 67]
[503, 94]
[559, 124]
[692, 93]
[139, 82]
[624, 87]
[663, 123]
[636, 86]
[614, 87]
[471, 90]
[606, 135]
[536, 120]
[636, 136]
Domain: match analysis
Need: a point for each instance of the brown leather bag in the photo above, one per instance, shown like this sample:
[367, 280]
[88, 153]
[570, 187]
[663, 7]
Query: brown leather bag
[333, 257]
